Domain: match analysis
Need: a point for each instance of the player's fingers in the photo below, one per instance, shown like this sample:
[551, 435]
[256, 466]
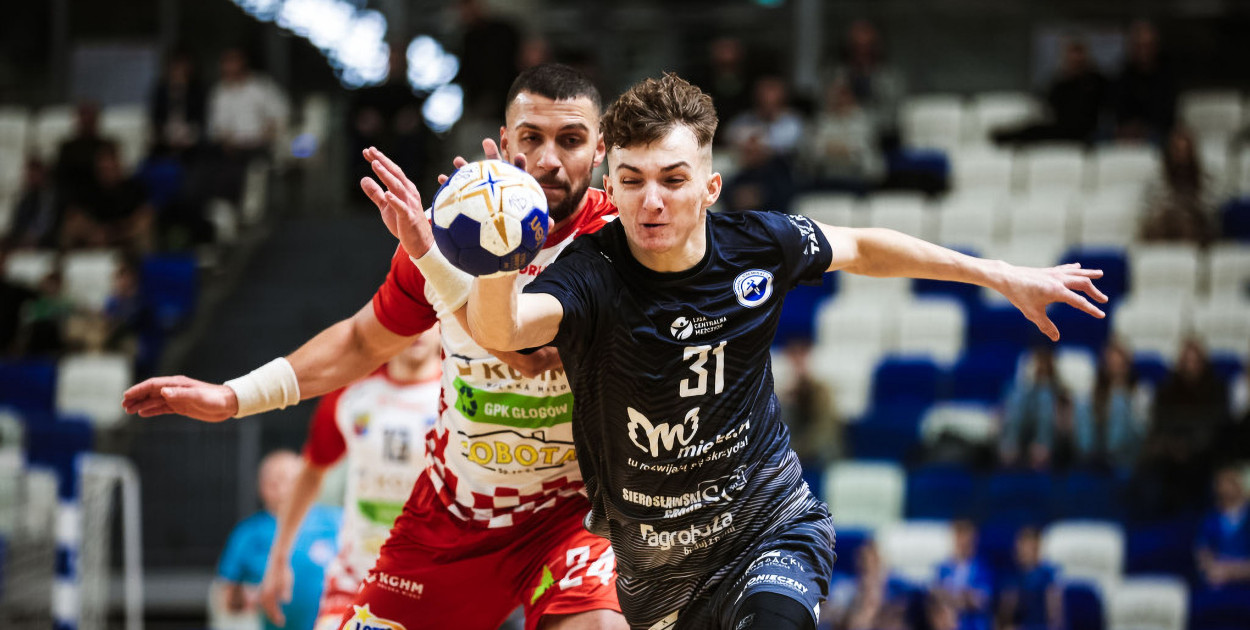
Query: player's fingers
[392, 183]
[1086, 286]
[490, 149]
[459, 162]
[1079, 302]
[1044, 324]
[396, 171]
[149, 408]
[1086, 273]
[442, 179]
[373, 191]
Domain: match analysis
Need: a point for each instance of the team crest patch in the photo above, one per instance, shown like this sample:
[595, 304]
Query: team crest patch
[681, 328]
[366, 620]
[753, 287]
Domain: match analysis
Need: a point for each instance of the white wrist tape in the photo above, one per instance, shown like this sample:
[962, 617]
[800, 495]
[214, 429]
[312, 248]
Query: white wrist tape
[270, 386]
[451, 285]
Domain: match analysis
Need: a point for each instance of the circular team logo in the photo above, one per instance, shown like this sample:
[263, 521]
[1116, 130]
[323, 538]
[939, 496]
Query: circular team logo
[681, 328]
[753, 287]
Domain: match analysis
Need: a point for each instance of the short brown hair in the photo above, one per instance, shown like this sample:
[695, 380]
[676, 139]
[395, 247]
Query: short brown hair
[650, 109]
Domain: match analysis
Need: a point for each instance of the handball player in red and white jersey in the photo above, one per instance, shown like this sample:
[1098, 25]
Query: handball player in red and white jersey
[496, 520]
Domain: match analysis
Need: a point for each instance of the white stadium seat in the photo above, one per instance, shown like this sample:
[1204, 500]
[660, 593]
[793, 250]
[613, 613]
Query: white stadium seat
[14, 127]
[1241, 178]
[1051, 167]
[933, 121]
[886, 292]
[989, 170]
[914, 549]
[53, 125]
[28, 267]
[828, 208]
[964, 228]
[992, 111]
[905, 212]
[1229, 271]
[933, 328]
[1040, 216]
[1124, 165]
[1164, 269]
[1216, 162]
[973, 423]
[12, 163]
[1077, 368]
[1108, 217]
[856, 326]
[1212, 114]
[88, 277]
[1148, 603]
[847, 371]
[92, 385]
[866, 495]
[1091, 550]
[1223, 325]
[128, 125]
[1152, 325]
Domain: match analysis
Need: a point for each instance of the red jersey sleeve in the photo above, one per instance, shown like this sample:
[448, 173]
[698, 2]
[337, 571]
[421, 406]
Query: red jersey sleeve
[400, 303]
[325, 443]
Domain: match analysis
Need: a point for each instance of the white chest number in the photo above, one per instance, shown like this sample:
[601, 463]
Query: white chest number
[697, 385]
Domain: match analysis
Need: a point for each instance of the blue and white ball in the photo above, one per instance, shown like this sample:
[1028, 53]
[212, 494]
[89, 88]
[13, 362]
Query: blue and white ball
[489, 216]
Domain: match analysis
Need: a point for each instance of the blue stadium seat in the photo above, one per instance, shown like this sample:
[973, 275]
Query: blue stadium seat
[1087, 495]
[28, 385]
[1226, 366]
[1112, 262]
[1077, 328]
[1235, 216]
[1223, 609]
[1082, 607]
[798, 312]
[1162, 547]
[999, 325]
[57, 445]
[996, 545]
[982, 373]
[941, 493]
[906, 380]
[889, 431]
[1021, 497]
[1151, 369]
[170, 285]
[847, 547]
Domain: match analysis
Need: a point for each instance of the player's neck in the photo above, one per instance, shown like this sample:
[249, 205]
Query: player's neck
[684, 256]
[577, 212]
[406, 370]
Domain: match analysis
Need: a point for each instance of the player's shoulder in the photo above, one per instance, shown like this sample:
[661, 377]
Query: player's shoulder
[597, 212]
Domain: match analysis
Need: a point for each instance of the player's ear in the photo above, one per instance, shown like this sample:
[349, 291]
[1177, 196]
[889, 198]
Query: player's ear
[607, 186]
[601, 151]
[714, 184]
[505, 152]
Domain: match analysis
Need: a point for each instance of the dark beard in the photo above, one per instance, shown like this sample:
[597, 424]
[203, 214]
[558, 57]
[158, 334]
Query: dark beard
[568, 206]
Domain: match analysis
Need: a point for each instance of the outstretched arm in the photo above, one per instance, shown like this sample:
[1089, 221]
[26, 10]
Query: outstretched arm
[502, 319]
[886, 253]
[275, 588]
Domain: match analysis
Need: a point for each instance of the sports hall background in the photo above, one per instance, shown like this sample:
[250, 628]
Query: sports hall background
[973, 122]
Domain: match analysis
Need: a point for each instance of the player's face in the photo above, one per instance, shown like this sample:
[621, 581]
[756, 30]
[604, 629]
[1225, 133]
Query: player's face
[662, 191]
[561, 144]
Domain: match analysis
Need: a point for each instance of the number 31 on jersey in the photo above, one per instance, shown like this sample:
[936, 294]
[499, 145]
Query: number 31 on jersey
[697, 385]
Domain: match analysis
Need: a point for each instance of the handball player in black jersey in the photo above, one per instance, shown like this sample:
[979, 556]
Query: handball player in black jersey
[664, 320]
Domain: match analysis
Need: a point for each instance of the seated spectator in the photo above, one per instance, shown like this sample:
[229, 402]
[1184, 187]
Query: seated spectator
[964, 585]
[245, 113]
[1189, 409]
[872, 600]
[841, 150]
[178, 104]
[113, 212]
[1030, 597]
[37, 215]
[1180, 206]
[770, 119]
[877, 86]
[1037, 418]
[1144, 95]
[1108, 426]
[76, 159]
[1075, 100]
[44, 319]
[726, 78]
[1223, 547]
[764, 181]
[243, 561]
[807, 409]
[13, 299]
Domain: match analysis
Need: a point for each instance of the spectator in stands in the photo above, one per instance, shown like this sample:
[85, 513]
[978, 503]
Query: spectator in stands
[489, 60]
[13, 299]
[76, 159]
[1144, 95]
[178, 104]
[1075, 99]
[727, 79]
[964, 584]
[771, 118]
[1180, 206]
[764, 181]
[872, 600]
[878, 87]
[37, 215]
[243, 562]
[1108, 427]
[44, 318]
[1037, 419]
[1223, 546]
[841, 150]
[245, 114]
[1189, 408]
[807, 409]
[1030, 597]
[113, 212]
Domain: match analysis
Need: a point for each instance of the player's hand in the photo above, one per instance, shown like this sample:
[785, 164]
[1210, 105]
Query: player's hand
[1031, 290]
[181, 395]
[399, 203]
[276, 589]
[532, 364]
[490, 151]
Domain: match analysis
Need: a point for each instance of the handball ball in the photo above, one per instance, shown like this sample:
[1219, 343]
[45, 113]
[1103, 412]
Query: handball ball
[489, 216]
